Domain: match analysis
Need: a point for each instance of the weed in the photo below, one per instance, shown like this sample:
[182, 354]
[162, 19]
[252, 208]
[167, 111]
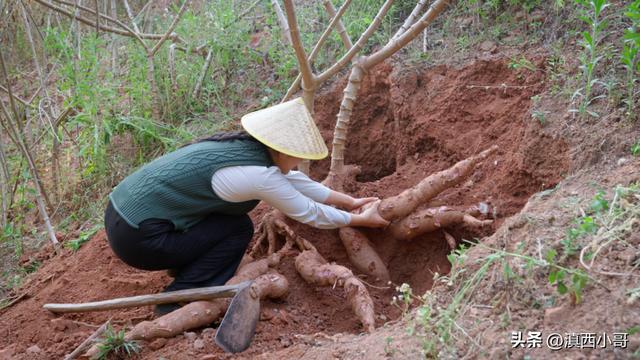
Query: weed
[592, 15]
[635, 148]
[85, 235]
[114, 344]
[629, 55]
[388, 350]
[539, 115]
[521, 63]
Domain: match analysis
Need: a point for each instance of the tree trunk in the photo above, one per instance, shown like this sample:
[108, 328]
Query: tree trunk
[344, 117]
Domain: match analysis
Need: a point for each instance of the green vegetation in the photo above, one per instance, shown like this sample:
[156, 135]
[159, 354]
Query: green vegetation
[592, 16]
[436, 321]
[629, 56]
[83, 238]
[635, 148]
[114, 344]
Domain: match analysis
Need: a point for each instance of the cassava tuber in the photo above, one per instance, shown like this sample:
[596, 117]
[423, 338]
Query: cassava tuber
[362, 255]
[314, 269]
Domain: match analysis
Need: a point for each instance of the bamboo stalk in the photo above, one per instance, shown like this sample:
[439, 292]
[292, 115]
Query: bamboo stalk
[205, 293]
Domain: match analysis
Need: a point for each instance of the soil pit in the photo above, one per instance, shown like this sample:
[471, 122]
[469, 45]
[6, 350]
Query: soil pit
[407, 124]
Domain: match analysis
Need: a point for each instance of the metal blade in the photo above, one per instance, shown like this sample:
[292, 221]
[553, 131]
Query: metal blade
[239, 323]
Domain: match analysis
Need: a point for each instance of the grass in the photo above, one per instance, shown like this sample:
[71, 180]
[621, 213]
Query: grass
[569, 268]
[114, 344]
[592, 15]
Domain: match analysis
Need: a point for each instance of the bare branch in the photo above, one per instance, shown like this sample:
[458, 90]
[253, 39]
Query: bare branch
[346, 58]
[87, 342]
[102, 27]
[97, 18]
[24, 102]
[346, 40]
[335, 21]
[203, 74]
[172, 67]
[171, 28]
[36, 63]
[284, 24]
[411, 18]
[308, 79]
[114, 41]
[396, 44]
[247, 10]
[40, 195]
[4, 185]
[144, 8]
[130, 15]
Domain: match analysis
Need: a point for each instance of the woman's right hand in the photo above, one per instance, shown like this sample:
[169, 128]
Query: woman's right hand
[369, 216]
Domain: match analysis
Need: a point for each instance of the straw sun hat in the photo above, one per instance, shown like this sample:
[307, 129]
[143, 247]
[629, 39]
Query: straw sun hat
[288, 128]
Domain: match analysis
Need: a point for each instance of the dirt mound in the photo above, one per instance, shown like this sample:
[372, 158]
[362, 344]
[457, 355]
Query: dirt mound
[407, 124]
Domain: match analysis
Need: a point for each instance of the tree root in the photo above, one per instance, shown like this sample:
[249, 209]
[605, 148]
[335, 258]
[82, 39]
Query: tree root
[315, 270]
[272, 225]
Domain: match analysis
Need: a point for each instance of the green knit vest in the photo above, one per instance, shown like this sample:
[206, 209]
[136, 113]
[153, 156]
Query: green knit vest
[177, 186]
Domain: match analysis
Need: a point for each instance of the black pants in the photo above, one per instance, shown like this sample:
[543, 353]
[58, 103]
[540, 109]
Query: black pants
[207, 254]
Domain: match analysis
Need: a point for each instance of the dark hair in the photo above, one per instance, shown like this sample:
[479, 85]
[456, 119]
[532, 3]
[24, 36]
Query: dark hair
[228, 136]
[224, 136]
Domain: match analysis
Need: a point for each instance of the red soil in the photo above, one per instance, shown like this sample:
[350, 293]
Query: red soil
[406, 126]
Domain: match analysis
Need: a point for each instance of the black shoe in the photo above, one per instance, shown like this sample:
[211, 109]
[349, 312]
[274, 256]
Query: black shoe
[163, 309]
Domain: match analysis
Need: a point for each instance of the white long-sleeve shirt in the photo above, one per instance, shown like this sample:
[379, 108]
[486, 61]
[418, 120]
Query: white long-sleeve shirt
[295, 194]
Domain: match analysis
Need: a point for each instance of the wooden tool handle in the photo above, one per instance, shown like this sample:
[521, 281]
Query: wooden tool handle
[204, 293]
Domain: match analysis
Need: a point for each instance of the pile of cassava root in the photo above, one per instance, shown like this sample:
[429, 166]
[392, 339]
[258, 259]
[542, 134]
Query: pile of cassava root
[406, 223]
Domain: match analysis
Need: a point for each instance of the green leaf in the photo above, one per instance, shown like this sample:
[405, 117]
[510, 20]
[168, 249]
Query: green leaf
[562, 288]
[552, 277]
[551, 255]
